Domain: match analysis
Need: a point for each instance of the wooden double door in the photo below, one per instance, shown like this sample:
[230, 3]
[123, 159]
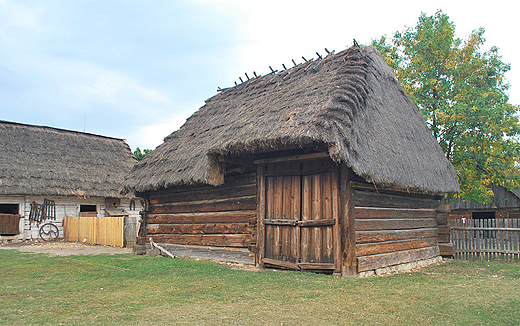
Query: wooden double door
[300, 214]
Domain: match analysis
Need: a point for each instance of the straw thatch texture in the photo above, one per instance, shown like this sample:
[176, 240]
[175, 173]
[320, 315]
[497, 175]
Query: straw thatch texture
[53, 162]
[350, 101]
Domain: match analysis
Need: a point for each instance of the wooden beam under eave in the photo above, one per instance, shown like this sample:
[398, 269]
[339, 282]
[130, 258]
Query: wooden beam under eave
[347, 227]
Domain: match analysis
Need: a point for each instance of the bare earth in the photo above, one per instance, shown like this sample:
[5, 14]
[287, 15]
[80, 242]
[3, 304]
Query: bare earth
[61, 248]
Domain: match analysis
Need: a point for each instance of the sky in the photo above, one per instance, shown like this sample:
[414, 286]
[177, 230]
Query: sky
[137, 70]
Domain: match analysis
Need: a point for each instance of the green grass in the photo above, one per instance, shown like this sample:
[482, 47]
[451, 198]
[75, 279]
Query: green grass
[144, 290]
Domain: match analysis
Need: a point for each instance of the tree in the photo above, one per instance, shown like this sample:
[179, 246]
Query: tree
[461, 92]
[140, 155]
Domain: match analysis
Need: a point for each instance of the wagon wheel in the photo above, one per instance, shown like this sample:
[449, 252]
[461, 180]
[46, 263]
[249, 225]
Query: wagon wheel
[49, 231]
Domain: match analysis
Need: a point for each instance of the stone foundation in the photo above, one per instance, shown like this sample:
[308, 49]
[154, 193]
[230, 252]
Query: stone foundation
[401, 268]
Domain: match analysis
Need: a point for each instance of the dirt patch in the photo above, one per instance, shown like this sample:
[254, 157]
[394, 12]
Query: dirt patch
[62, 248]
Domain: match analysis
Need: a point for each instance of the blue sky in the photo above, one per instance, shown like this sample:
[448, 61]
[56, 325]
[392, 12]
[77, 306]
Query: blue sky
[137, 69]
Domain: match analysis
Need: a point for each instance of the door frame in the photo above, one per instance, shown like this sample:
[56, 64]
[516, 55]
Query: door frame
[337, 226]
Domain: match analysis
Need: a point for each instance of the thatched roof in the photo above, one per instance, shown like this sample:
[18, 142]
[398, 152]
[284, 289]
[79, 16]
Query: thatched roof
[350, 102]
[54, 162]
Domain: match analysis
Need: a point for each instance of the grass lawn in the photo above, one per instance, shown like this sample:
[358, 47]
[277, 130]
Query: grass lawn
[144, 290]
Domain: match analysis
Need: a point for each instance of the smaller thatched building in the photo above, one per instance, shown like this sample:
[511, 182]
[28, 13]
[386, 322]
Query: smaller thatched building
[81, 174]
[327, 166]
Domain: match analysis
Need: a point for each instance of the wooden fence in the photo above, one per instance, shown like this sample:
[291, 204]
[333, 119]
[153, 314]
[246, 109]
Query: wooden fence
[486, 239]
[107, 231]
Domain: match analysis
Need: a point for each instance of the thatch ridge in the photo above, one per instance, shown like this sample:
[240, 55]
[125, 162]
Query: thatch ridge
[350, 102]
[46, 161]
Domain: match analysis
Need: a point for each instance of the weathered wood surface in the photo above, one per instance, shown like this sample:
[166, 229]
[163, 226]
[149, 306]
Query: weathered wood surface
[347, 217]
[299, 212]
[206, 228]
[374, 199]
[217, 240]
[223, 216]
[208, 194]
[206, 217]
[215, 205]
[486, 239]
[395, 224]
[366, 263]
[394, 235]
[389, 213]
[9, 224]
[387, 236]
[392, 246]
[230, 182]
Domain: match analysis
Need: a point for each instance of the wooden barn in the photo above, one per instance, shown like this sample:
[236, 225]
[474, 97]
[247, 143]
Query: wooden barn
[327, 166]
[72, 173]
[505, 204]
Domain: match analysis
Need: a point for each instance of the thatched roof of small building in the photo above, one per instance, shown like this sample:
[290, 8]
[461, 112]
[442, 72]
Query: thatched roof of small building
[46, 161]
[350, 102]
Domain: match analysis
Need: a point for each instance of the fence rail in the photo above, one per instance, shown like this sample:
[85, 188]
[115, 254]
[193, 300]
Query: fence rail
[486, 239]
[95, 230]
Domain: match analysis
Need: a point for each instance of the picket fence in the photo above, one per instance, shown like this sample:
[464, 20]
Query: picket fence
[486, 239]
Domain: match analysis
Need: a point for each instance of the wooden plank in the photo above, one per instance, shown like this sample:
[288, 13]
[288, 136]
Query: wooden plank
[348, 229]
[200, 218]
[10, 224]
[336, 231]
[366, 263]
[279, 263]
[280, 222]
[217, 240]
[316, 266]
[260, 211]
[209, 228]
[394, 224]
[388, 213]
[391, 246]
[394, 235]
[373, 199]
[217, 205]
[207, 194]
[230, 182]
[292, 158]
[316, 223]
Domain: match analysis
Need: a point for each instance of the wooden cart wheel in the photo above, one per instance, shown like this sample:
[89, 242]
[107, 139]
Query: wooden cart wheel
[49, 232]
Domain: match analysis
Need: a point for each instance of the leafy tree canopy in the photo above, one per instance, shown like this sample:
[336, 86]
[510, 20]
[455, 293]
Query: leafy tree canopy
[461, 92]
[140, 155]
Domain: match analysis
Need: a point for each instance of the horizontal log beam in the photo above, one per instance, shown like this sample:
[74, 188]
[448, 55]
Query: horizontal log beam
[210, 228]
[394, 235]
[394, 224]
[230, 181]
[316, 266]
[218, 205]
[373, 262]
[392, 246]
[374, 199]
[216, 240]
[207, 194]
[280, 222]
[377, 212]
[279, 263]
[206, 217]
[317, 223]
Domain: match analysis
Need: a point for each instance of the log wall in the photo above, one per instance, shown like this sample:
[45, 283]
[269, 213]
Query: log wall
[393, 229]
[223, 216]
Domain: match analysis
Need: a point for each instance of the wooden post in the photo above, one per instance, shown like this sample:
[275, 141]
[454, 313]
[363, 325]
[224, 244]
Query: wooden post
[260, 242]
[338, 230]
[443, 229]
[348, 232]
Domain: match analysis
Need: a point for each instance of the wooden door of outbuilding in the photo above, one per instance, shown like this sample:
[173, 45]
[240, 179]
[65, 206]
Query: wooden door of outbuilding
[299, 202]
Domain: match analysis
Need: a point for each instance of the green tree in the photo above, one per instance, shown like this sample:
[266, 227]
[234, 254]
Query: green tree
[461, 92]
[140, 155]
